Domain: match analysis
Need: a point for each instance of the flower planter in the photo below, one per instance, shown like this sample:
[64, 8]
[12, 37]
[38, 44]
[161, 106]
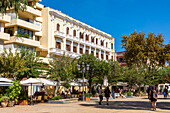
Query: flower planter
[22, 102]
[87, 98]
[4, 104]
[11, 103]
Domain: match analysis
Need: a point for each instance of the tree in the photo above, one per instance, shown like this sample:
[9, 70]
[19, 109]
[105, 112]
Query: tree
[15, 4]
[116, 72]
[11, 64]
[144, 50]
[33, 63]
[60, 69]
[93, 64]
[165, 74]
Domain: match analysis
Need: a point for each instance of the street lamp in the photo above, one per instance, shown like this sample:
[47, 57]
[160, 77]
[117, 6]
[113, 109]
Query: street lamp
[84, 68]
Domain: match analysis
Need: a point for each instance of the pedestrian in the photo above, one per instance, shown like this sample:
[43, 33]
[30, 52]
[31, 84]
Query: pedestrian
[153, 97]
[165, 92]
[148, 91]
[100, 95]
[107, 94]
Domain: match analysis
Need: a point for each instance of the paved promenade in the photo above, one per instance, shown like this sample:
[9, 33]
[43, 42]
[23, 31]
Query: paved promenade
[128, 105]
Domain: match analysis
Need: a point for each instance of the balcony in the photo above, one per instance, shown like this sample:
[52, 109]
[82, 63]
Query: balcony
[59, 34]
[69, 37]
[23, 41]
[4, 36]
[5, 18]
[60, 52]
[82, 41]
[24, 24]
[33, 11]
[76, 39]
[57, 51]
[38, 33]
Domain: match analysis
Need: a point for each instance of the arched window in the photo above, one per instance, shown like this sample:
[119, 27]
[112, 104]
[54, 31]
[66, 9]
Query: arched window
[96, 41]
[87, 37]
[58, 27]
[81, 35]
[67, 31]
[74, 33]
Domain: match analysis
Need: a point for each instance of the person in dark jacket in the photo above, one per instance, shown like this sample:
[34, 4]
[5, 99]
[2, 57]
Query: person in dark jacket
[107, 94]
[153, 97]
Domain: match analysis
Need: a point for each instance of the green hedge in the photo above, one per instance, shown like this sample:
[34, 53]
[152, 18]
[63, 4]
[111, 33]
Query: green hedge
[55, 98]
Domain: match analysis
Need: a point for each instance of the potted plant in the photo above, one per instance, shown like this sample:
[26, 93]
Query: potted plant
[13, 93]
[87, 96]
[4, 101]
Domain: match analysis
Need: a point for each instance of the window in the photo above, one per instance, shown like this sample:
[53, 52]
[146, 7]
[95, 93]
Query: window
[67, 32]
[74, 33]
[75, 48]
[87, 37]
[81, 35]
[58, 45]
[58, 27]
[24, 33]
[68, 46]
[107, 57]
[96, 41]
[81, 50]
[92, 39]
[97, 54]
[10, 31]
[106, 44]
[111, 46]
[37, 38]
[101, 43]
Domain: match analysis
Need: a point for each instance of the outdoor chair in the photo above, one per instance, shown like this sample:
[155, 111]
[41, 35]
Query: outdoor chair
[34, 99]
[39, 98]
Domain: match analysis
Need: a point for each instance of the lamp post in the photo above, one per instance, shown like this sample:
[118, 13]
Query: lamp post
[84, 68]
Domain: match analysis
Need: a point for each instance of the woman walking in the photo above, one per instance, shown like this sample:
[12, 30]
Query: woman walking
[153, 98]
[107, 94]
[100, 95]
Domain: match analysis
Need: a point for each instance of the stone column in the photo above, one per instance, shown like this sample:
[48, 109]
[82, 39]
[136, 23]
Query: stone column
[104, 55]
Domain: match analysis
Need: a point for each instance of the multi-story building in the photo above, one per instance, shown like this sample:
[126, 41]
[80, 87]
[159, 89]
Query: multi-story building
[24, 28]
[50, 33]
[65, 35]
[3, 36]
[119, 58]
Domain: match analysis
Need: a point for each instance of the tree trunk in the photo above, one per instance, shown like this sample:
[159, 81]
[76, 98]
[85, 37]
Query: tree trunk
[90, 83]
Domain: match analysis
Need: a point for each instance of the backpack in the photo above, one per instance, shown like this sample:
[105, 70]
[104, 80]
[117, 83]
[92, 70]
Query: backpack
[155, 95]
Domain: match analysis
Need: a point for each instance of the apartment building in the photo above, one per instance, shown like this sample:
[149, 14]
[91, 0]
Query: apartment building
[3, 36]
[50, 33]
[24, 28]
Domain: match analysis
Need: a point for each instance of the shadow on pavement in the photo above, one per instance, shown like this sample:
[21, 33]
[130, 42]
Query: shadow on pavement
[136, 105]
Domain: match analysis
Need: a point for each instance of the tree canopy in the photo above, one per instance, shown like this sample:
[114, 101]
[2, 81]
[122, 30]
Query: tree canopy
[15, 4]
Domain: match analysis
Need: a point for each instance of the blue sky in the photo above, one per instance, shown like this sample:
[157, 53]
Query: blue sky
[118, 17]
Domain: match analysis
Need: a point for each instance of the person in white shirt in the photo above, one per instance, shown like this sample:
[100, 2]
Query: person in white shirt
[100, 95]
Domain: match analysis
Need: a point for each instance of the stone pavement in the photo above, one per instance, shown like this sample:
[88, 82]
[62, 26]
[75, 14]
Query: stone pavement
[128, 105]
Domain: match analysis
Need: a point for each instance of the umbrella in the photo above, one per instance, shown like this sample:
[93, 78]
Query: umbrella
[74, 84]
[47, 82]
[5, 82]
[30, 81]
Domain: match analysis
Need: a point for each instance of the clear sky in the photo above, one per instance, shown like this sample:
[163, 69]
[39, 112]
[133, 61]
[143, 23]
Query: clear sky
[118, 17]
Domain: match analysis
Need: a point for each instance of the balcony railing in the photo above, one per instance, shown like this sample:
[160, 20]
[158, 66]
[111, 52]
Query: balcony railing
[24, 41]
[61, 52]
[5, 18]
[59, 34]
[25, 24]
[4, 36]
